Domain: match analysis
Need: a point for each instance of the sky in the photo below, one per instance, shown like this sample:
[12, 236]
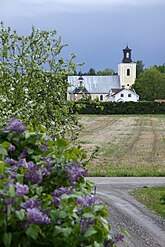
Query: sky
[95, 30]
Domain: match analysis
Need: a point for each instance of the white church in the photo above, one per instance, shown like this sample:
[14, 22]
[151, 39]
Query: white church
[106, 88]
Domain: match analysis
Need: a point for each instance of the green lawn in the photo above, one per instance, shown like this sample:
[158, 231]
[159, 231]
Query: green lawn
[151, 197]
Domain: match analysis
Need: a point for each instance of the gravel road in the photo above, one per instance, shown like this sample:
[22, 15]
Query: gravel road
[144, 227]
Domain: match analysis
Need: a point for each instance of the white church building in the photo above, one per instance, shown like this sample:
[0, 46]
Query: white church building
[106, 88]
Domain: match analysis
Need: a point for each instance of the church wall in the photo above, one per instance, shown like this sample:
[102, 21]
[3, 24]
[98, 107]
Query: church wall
[101, 97]
[127, 80]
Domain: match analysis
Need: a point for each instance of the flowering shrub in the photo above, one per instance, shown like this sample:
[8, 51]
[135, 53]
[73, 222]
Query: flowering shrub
[44, 198]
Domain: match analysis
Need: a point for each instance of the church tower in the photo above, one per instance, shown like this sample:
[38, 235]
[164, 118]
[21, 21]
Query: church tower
[127, 69]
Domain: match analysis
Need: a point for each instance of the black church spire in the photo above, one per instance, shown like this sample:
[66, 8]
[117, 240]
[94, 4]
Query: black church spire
[127, 55]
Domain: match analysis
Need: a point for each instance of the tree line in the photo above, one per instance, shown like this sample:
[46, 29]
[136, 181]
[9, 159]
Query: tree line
[150, 83]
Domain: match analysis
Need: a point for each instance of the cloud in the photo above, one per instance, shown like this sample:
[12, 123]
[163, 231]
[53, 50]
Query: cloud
[43, 7]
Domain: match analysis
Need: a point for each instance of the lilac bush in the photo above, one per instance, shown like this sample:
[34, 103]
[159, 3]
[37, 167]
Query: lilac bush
[44, 197]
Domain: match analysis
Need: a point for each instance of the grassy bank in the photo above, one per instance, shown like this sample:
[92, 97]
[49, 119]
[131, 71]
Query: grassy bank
[151, 197]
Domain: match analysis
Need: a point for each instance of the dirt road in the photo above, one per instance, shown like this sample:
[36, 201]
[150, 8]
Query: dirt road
[145, 228]
[128, 142]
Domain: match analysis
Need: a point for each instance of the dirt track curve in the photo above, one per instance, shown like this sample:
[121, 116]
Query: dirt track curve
[145, 228]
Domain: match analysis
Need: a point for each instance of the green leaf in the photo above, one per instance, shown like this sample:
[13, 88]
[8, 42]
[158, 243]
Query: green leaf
[6, 145]
[2, 221]
[33, 231]
[98, 208]
[42, 128]
[90, 232]
[20, 214]
[39, 190]
[2, 164]
[12, 190]
[96, 244]
[20, 178]
[3, 150]
[124, 231]
[89, 215]
[64, 231]
[29, 134]
[7, 237]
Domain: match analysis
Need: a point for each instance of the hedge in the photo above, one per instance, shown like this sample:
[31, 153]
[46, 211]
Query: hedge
[119, 107]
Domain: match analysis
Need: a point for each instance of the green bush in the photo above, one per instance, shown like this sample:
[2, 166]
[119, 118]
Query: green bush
[119, 107]
[44, 198]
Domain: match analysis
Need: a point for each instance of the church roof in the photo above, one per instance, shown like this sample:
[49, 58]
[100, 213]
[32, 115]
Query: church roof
[95, 84]
[116, 90]
[80, 90]
[127, 49]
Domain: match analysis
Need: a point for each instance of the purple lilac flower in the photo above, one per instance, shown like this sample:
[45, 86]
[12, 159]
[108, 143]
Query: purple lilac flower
[33, 174]
[12, 173]
[119, 237]
[44, 148]
[47, 159]
[36, 177]
[11, 148]
[83, 202]
[75, 172]
[57, 193]
[22, 164]
[58, 222]
[56, 201]
[60, 191]
[30, 165]
[37, 217]
[21, 190]
[24, 153]
[46, 172]
[30, 203]
[10, 201]
[53, 136]
[15, 125]
[11, 161]
[85, 224]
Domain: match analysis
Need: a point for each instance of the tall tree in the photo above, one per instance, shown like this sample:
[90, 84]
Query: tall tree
[150, 85]
[91, 71]
[33, 78]
[139, 68]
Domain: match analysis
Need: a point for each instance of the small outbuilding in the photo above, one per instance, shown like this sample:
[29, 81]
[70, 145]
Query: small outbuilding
[122, 94]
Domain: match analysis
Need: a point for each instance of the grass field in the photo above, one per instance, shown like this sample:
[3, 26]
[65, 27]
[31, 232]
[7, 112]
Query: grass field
[124, 145]
[151, 197]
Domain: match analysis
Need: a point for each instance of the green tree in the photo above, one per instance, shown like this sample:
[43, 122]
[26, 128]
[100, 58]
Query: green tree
[33, 78]
[139, 68]
[106, 71]
[150, 85]
[91, 72]
[161, 68]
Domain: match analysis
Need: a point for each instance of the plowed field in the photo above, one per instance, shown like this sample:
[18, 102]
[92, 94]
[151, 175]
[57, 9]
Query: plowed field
[124, 145]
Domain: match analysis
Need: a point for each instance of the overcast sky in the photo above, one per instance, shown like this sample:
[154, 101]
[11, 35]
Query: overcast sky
[95, 30]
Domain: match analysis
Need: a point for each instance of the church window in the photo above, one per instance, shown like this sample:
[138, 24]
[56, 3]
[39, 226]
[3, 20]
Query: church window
[121, 95]
[101, 97]
[127, 85]
[128, 72]
[129, 95]
[127, 54]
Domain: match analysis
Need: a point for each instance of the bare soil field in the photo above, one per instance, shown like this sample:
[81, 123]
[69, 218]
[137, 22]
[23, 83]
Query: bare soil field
[124, 145]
